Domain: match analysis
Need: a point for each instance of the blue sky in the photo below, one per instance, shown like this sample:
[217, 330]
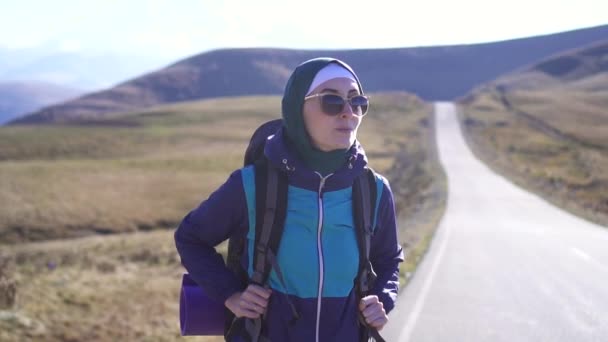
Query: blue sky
[179, 28]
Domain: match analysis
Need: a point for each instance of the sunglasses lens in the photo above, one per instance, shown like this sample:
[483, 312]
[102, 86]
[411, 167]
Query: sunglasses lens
[332, 104]
[359, 104]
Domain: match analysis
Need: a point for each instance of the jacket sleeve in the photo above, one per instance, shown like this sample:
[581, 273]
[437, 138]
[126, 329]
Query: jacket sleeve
[385, 251]
[216, 219]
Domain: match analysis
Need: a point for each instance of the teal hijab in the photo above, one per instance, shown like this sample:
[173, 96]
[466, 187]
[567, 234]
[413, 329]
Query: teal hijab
[293, 120]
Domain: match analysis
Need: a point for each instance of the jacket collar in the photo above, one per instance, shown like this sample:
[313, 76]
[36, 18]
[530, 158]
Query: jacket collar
[284, 158]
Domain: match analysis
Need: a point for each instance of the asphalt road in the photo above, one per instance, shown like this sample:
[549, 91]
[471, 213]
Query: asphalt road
[504, 265]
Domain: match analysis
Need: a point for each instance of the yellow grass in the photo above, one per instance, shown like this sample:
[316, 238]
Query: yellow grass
[148, 176]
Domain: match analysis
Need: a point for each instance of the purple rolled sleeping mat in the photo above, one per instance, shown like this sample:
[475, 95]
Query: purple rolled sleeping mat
[199, 314]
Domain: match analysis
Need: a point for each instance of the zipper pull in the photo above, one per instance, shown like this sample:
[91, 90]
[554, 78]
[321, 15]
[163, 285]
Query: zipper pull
[321, 185]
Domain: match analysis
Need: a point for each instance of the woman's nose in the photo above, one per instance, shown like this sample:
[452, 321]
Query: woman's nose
[347, 111]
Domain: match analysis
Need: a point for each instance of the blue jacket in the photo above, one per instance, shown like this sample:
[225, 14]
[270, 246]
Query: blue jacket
[318, 253]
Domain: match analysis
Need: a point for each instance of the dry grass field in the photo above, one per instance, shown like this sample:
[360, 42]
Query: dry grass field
[88, 209]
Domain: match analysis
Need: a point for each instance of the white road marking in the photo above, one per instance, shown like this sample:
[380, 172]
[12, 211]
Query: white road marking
[588, 258]
[411, 321]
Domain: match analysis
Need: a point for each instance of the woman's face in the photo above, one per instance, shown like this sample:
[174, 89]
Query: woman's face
[329, 132]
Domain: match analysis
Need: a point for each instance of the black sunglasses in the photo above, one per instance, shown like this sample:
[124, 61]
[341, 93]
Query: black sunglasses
[333, 104]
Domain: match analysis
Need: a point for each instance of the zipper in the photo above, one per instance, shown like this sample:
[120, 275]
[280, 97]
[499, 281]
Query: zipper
[320, 252]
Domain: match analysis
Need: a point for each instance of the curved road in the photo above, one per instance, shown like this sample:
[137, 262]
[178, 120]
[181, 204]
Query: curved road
[504, 264]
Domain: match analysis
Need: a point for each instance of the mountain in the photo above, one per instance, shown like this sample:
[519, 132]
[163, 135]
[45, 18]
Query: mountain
[433, 73]
[18, 98]
[584, 69]
[565, 96]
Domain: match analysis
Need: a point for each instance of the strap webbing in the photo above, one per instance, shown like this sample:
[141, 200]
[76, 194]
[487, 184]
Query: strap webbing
[262, 244]
[271, 199]
[364, 191]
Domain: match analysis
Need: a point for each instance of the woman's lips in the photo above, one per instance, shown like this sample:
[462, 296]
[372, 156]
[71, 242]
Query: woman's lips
[344, 129]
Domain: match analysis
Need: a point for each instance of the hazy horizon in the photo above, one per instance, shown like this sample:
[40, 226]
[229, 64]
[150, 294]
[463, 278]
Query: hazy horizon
[97, 44]
[171, 31]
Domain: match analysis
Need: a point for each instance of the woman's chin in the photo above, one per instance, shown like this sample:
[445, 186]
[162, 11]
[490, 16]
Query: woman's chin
[344, 145]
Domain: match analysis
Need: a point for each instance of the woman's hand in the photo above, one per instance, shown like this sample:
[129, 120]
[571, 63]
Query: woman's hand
[250, 303]
[373, 311]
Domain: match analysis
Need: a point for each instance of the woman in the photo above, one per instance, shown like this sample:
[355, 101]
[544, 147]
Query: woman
[322, 108]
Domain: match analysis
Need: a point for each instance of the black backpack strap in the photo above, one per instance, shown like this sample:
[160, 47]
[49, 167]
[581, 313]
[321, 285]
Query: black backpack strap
[271, 209]
[364, 200]
[236, 247]
[364, 207]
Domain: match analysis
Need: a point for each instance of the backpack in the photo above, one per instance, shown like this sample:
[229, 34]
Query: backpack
[271, 206]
